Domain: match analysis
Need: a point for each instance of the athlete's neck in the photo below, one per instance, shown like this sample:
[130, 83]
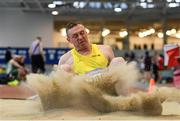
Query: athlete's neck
[85, 51]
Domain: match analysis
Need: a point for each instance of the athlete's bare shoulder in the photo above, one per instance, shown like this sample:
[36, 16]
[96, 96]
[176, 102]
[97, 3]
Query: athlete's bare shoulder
[107, 51]
[66, 58]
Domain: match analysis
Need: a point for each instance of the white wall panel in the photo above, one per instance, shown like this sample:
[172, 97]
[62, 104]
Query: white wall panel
[19, 29]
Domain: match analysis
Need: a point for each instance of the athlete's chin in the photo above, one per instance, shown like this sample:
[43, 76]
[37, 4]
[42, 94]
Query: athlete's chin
[83, 45]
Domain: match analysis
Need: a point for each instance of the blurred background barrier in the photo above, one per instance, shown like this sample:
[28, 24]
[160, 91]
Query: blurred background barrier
[51, 55]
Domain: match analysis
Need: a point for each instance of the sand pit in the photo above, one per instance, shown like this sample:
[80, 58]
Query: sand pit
[31, 109]
[66, 96]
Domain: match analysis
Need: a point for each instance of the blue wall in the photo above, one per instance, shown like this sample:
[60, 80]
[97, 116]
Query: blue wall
[52, 55]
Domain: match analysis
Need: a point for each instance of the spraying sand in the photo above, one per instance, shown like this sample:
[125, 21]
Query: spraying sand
[105, 92]
[95, 96]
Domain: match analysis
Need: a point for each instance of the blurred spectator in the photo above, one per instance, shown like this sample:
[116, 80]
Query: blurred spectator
[126, 56]
[141, 63]
[147, 66]
[147, 61]
[37, 56]
[15, 67]
[133, 59]
[161, 62]
[155, 69]
[8, 55]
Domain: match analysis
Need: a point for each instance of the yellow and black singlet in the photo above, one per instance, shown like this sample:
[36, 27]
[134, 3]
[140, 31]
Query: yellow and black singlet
[85, 63]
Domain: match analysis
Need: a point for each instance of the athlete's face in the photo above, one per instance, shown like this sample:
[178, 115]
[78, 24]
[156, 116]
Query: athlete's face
[78, 37]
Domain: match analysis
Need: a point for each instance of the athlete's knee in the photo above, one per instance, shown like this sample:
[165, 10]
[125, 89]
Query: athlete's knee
[117, 60]
[65, 67]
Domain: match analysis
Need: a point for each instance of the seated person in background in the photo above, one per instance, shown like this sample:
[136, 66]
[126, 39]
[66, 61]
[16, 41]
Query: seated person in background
[15, 67]
[8, 54]
[85, 57]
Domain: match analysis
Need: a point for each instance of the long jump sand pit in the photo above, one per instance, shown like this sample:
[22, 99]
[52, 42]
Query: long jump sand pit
[31, 109]
[62, 95]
